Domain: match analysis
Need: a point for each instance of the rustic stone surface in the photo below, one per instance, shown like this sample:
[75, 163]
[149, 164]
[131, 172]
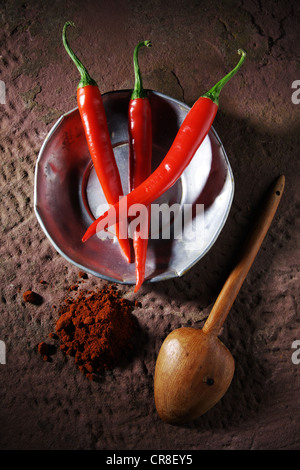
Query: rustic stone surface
[50, 405]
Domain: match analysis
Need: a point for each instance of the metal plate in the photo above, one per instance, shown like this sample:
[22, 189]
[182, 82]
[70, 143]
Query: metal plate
[67, 193]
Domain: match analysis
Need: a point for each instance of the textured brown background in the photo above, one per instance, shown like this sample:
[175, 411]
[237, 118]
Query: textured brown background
[51, 405]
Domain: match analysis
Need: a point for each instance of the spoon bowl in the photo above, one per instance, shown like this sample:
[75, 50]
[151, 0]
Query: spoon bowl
[195, 370]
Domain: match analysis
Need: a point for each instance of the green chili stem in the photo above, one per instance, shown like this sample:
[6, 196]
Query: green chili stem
[138, 91]
[85, 76]
[214, 92]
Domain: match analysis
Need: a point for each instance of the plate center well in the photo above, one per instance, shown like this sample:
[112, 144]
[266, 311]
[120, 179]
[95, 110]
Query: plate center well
[94, 198]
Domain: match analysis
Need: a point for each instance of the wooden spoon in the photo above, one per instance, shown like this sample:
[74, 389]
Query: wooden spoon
[194, 368]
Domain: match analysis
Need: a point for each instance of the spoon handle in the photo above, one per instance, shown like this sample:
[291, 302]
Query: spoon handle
[237, 276]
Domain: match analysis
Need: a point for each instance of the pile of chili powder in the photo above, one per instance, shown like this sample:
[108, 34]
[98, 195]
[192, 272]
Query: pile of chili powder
[96, 328]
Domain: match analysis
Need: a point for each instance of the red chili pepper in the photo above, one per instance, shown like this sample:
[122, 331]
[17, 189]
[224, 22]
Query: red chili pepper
[94, 121]
[140, 155]
[191, 134]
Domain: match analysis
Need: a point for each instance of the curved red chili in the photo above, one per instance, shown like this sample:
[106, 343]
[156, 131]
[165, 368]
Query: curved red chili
[95, 126]
[191, 134]
[140, 155]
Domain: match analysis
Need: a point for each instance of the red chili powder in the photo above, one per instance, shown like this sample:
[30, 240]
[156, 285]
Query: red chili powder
[32, 297]
[96, 328]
